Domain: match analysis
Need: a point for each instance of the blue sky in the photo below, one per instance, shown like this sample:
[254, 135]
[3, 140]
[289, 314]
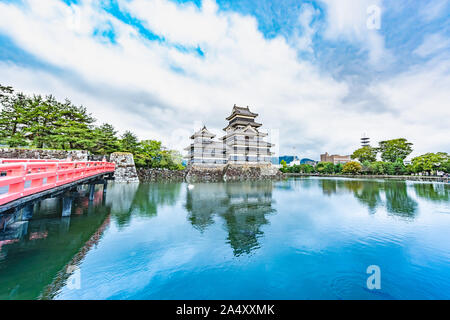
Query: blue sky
[319, 73]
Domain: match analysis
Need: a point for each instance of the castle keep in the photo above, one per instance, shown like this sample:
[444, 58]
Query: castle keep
[241, 144]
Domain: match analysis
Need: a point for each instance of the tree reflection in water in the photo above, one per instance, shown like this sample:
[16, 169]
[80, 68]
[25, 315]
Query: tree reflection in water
[369, 193]
[51, 243]
[243, 206]
[436, 192]
[140, 199]
[397, 200]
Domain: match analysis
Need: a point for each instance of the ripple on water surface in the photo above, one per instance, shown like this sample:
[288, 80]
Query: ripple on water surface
[294, 239]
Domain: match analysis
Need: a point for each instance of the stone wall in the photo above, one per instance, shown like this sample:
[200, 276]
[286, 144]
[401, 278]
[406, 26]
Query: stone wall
[125, 168]
[195, 174]
[204, 174]
[17, 153]
[156, 174]
[233, 172]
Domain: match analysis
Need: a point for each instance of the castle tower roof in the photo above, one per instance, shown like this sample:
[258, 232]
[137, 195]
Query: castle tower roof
[203, 132]
[242, 112]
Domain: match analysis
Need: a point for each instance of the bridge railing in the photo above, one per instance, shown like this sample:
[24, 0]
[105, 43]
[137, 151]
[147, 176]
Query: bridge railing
[19, 179]
[29, 160]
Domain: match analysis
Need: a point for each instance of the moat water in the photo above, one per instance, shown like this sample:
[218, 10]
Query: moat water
[304, 238]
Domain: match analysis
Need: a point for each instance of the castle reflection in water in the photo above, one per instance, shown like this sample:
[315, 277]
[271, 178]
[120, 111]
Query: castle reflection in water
[243, 206]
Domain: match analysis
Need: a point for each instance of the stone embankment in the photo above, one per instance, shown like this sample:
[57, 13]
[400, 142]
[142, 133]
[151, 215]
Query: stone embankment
[204, 174]
[19, 153]
[156, 174]
[125, 168]
[232, 172]
[228, 172]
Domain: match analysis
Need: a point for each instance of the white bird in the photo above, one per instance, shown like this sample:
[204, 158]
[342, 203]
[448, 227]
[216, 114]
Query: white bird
[190, 186]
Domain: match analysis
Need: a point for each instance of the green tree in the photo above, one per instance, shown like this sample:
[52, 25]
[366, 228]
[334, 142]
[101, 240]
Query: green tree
[352, 167]
[366, 153]
[43, 122]
[74, 130]
[43, 114]
[329, 168]
[306, 168]
[377, 168]
[446, 166]
[148, 154]
[366, 168]
[129, 142]
[431, 162]
[5, 92]
[409, 169]
[338, 167]
[106, 139]
[399, 167]
[394, 149]
[13, 117]
[151, 154]
[283, 166]
[176, 160]
[325, 167]
[388, 168]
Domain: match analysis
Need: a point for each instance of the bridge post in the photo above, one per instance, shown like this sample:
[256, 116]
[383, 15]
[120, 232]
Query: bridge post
[64, 224]
[27, 211]
[91, 191]
[66, 205]
[105, 187]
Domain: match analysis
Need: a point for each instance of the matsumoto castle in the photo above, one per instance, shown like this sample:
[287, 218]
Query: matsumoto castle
[242, 143]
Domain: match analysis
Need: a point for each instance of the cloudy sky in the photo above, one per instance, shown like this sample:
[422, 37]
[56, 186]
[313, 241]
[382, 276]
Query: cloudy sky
[319, 73]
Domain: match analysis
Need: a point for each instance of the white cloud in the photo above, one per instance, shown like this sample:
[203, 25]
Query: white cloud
[434, 9]
[304, 41]
[134, 83]
[239, 66]
[348, 20]
[419, 102]
[432, 44]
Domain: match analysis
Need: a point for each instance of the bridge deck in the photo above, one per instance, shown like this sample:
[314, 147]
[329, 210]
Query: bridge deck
[23, 181]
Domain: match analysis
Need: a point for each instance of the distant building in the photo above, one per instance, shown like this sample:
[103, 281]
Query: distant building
[335, 159]
[243, 143]
[308, 161]
[365, 141]
[290, 160]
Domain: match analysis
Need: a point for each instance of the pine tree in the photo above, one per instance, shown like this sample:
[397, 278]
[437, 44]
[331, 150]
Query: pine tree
[13, 117]
[106, 140]
[129, 142]
[74, 128]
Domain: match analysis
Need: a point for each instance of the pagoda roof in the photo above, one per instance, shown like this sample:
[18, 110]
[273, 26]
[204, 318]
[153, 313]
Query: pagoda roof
[245, 131]
[241, 111]
[243, 123]
[203, 132]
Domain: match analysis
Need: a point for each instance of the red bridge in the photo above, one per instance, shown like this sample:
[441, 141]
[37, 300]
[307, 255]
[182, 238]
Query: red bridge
[25, 180]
